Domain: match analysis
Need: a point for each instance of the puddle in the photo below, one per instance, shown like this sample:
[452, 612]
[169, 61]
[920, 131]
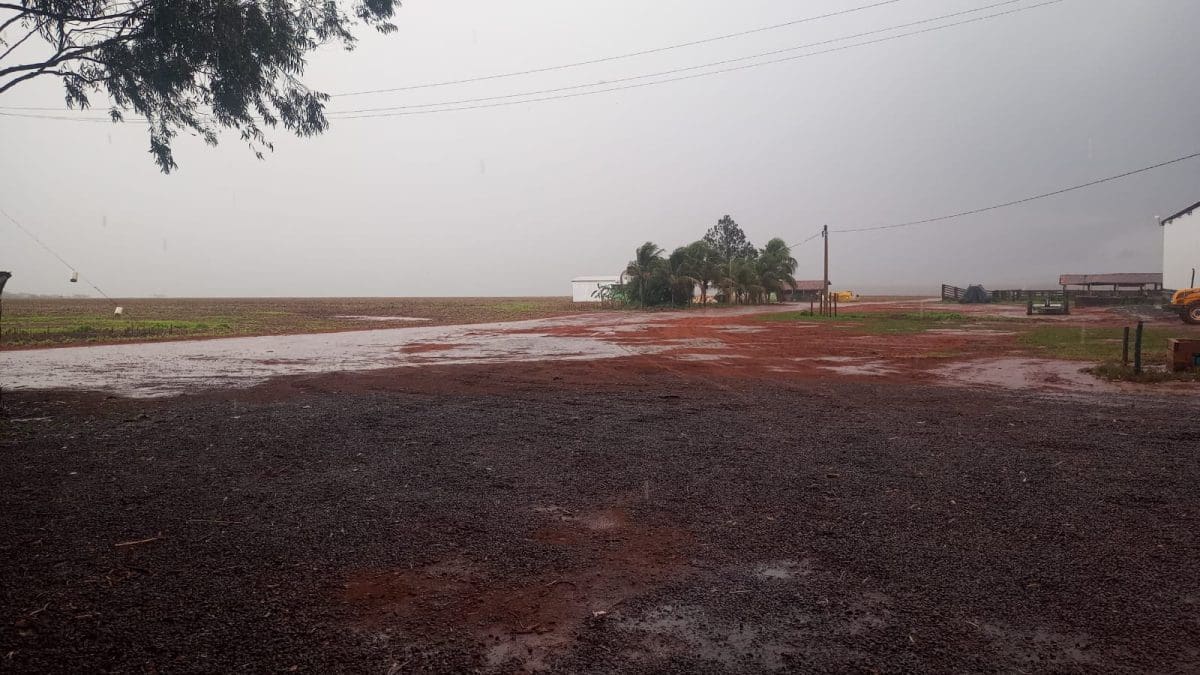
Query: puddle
[356, 317]
[1027, 373]
[869, 368]
[850, 365]
[170, 368]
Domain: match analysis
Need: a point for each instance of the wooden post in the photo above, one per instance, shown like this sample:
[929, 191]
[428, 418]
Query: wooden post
[835, 304]
[825, 286]
[1137, 350]
[812, 306]
[1125, 348]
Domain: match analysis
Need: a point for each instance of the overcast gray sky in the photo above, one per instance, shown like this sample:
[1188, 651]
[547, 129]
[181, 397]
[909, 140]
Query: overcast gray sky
[516, 200]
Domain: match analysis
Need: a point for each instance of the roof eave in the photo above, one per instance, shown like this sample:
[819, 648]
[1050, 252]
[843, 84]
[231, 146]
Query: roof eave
[1181, 214]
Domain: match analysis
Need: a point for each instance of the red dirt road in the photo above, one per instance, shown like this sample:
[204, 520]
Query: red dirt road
[715, 498]
[730, 341]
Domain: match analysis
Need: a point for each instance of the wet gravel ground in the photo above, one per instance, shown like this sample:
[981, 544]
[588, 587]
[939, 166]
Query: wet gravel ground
[663, 524]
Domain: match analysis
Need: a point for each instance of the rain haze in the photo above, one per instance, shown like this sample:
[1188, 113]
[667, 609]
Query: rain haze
[529, 363]
[517, 199]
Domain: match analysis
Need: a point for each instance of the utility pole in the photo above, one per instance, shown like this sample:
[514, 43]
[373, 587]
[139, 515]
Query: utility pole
[825, 292]
[4, 277]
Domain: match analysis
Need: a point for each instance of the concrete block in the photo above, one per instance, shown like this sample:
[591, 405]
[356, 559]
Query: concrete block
[1183, 354]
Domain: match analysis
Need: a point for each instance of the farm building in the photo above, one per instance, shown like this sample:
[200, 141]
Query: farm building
[1123, 283]
[587, 289]
[805, 289]
[1181, 248]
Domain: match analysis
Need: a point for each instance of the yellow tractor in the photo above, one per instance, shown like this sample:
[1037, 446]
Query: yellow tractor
[1187, 303]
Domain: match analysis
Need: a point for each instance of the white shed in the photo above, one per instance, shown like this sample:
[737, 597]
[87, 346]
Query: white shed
[1181, 248]
[587, 289]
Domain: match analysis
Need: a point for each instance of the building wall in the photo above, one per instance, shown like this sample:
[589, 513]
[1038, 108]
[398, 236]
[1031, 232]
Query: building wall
[582, 291]
[1181, 251]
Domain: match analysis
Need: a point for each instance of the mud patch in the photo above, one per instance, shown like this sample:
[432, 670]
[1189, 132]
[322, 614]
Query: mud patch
[853, 365]
[969, 331]
[1067, 377]
[355, 317]
[524, 622]
[1040, 648]
[783, 569]
[692, 631]
[705, 357]
[422, 347]
[743, 329]
[872, 368]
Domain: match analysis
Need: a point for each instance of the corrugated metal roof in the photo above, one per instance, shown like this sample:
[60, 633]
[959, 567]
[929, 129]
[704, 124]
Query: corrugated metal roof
[611, 278]
[1121, 279]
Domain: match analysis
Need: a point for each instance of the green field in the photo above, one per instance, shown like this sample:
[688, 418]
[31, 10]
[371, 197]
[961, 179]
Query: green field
[1091, 343]
[877, 323]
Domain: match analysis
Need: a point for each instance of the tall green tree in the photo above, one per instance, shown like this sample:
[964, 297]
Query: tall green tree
[196, 66]
[729, 241]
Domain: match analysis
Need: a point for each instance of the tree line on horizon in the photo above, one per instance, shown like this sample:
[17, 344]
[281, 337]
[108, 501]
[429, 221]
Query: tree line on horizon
[723, 261]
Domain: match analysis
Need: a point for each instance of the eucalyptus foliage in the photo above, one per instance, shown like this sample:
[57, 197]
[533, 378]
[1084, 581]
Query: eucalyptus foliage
[194, 66]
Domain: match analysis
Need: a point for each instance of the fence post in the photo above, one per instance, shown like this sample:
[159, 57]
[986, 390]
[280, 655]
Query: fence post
[1125, 348]
[1137, 350]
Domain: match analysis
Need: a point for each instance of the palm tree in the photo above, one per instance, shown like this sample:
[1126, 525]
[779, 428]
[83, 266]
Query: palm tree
[646, 262]
[680, 278]
[776, 266]
[744, 279]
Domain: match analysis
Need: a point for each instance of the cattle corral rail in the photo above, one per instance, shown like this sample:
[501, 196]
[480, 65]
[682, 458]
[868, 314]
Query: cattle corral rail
[951, 293]
[955, 294]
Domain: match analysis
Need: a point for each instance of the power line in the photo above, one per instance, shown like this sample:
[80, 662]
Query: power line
[394, 111]
[1025, 199]
[605, 59]
[698, 75]
[68, 118]
[51, 251]
[683, 69]
[805, 241]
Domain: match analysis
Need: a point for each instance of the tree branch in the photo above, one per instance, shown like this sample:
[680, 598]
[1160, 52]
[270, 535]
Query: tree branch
[45, 70]
[15, 18]
[33, 31]
[66, 54]
[70, 18]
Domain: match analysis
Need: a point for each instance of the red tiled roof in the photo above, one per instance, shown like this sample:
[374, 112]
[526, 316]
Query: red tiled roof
[810, 285]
